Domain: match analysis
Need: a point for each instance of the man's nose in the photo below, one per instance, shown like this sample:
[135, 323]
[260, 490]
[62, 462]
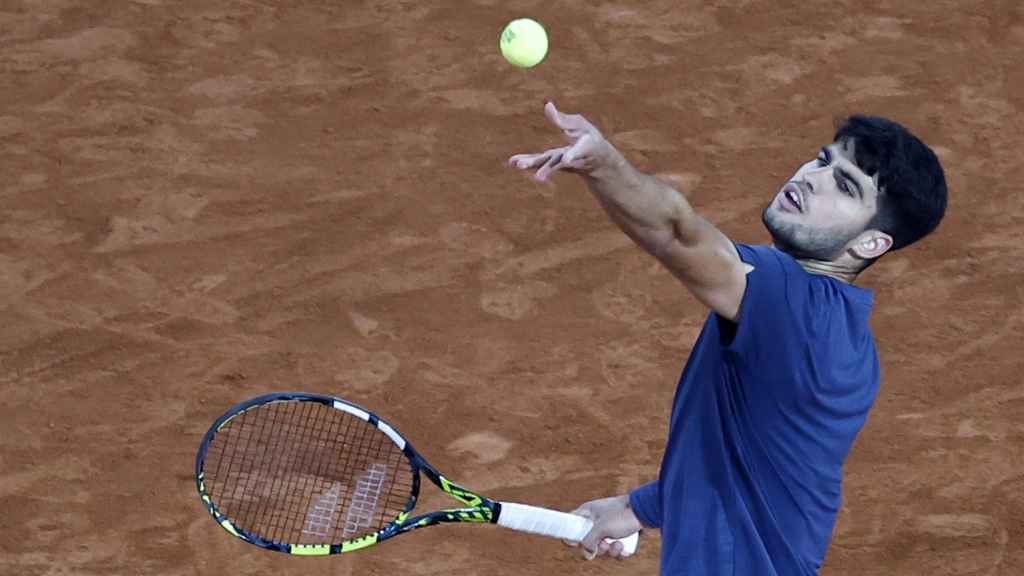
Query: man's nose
[814, 174]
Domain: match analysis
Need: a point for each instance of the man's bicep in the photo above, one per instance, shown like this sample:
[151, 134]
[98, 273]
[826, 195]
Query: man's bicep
[710, 267]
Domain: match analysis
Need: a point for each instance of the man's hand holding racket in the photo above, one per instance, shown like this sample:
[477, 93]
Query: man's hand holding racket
[613, 519]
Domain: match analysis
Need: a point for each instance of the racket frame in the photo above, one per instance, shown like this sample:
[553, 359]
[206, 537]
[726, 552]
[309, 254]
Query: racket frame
[477, 508]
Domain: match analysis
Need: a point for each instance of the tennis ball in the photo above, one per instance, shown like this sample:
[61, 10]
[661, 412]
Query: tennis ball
[524, 43]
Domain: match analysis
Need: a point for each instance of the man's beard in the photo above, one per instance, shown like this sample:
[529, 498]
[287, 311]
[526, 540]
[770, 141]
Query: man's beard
[805, 243]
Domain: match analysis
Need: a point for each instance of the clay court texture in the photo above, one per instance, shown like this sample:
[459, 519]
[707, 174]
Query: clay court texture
[202, 201]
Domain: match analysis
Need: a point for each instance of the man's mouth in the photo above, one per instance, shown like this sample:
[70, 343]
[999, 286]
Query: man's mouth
[792, 197]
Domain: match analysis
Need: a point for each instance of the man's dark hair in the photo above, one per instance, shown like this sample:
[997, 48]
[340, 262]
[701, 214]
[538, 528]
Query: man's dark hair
[911, 180]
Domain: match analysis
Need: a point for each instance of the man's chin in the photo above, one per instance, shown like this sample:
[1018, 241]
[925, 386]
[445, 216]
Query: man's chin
[784, 241]
[770, 219]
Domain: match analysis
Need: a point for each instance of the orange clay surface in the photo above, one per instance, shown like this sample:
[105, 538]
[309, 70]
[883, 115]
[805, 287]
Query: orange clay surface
[201, 201]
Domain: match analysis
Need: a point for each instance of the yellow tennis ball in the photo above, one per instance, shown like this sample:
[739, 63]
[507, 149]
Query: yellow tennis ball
[524, 43]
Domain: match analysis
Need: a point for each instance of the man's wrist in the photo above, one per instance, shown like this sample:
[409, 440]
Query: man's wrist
[611, 165]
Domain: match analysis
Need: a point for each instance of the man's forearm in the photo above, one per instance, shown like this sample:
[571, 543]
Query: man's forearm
[647, 209]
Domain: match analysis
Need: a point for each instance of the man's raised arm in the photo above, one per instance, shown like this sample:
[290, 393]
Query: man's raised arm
[655, 215]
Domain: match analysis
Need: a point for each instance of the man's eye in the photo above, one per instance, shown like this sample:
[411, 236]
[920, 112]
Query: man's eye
[845, 187]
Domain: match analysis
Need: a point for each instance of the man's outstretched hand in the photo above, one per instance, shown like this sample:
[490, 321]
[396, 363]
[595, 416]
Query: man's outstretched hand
[587, 152]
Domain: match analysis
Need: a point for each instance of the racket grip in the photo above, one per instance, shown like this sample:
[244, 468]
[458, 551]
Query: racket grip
[555, 524]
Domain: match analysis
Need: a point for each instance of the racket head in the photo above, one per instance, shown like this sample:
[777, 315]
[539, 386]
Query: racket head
[306, 474]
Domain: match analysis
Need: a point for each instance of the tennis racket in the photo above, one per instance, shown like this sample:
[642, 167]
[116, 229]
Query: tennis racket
[313, 475]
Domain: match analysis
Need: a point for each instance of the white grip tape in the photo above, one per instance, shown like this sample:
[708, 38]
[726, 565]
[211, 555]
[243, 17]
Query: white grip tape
[555, 524]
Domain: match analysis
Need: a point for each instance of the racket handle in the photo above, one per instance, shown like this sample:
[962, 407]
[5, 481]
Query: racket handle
[555, 524]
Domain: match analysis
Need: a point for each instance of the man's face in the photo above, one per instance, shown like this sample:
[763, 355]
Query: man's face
[824, 207]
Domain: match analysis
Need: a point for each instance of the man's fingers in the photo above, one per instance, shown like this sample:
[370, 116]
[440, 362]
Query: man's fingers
[567, 158]
[527, 161]
[562, 120]
[572, 156]
[553, 163]
[583, 511]
[591, 544]
[574, 125]
[569, 155]
[603, 547]
[591, 550]
[615, 549]
[553, 114]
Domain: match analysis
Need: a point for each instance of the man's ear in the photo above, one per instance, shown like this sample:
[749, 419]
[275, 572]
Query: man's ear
[871, 244]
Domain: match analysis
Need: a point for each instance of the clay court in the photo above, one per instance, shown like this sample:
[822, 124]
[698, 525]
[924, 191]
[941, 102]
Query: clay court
[207, 200]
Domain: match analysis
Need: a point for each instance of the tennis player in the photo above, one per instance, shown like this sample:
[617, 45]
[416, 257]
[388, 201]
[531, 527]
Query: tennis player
[785, 370]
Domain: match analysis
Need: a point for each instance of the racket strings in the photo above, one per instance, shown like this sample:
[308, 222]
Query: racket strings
[295, 477]
[306, 473]
[269, 508]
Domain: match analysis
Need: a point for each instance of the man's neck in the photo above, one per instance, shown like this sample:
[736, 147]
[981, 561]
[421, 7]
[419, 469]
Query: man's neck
[841, 272]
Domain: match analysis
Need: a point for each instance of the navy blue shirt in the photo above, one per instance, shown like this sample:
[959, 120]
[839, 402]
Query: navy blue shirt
[764, 416]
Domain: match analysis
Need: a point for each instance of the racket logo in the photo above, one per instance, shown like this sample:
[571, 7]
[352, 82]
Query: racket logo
[320, 518]
[363, 509]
